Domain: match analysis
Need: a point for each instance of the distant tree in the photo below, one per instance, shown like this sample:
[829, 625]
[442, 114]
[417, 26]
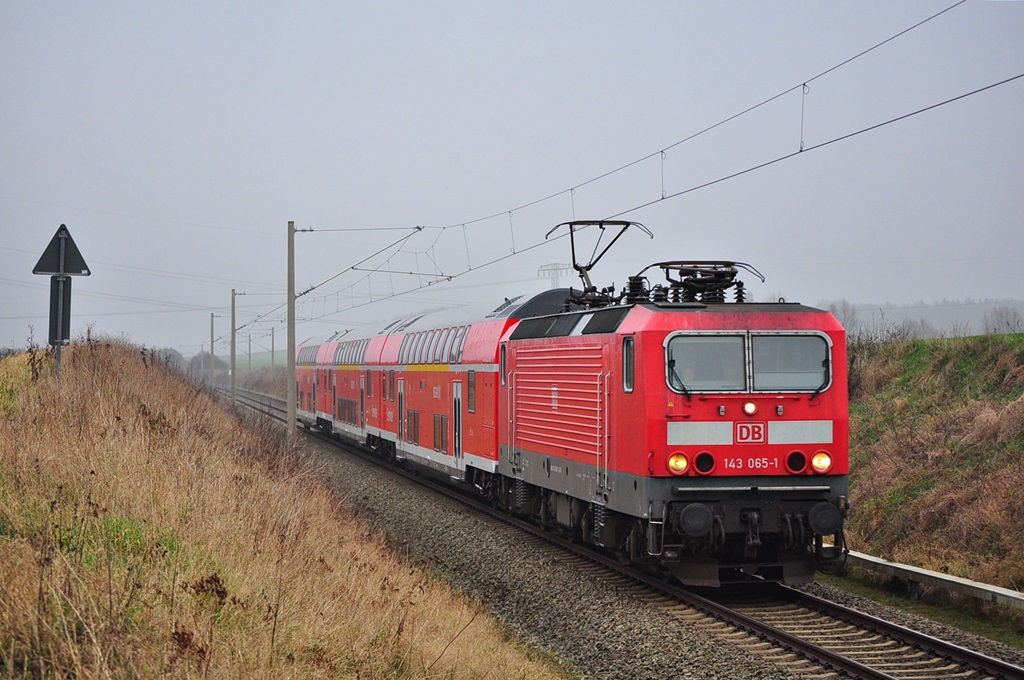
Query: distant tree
[960, 329]
[1002, 320]
[200, 364]
[170, 357]
[918, 329]
[846, 313]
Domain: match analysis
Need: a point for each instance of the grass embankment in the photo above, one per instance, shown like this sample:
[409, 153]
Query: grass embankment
[147, 531]
[937, 455]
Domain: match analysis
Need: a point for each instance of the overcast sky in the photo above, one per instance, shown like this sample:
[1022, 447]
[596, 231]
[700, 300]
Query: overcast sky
[176, 140]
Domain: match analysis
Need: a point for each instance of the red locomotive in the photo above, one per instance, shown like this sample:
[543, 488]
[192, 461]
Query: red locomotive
[665, 423]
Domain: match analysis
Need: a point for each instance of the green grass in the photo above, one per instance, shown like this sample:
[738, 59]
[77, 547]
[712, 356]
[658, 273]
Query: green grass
[260, 360]
[936, 445]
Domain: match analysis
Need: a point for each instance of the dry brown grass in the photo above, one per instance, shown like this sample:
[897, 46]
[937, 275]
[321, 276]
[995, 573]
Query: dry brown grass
[147, 531]
[937, 456]
[266, 380]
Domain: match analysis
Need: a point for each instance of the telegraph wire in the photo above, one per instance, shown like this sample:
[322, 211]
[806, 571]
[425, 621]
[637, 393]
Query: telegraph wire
[729, 119]
[571, 191]
[310, 289]
[814, 147]
[664, 197]
[447, 278]
[373, 229]
[662, 153]
[400, 243]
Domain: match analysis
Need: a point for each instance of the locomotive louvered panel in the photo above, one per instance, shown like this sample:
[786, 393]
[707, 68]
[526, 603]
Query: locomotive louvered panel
[558, 400]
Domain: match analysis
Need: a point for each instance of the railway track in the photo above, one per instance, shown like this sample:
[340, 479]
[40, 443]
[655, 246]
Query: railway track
[811, 637]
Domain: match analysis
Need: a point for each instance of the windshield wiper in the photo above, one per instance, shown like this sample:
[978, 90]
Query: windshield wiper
[824, 381]
[679, 379]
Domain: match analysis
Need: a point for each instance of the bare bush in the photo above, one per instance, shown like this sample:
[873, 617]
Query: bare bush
[1002, 320]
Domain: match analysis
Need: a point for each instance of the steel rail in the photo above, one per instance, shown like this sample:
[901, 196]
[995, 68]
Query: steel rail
[954, 653]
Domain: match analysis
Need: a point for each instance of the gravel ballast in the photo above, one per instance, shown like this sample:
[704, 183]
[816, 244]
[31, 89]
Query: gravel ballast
[548, 602]
[545, 601]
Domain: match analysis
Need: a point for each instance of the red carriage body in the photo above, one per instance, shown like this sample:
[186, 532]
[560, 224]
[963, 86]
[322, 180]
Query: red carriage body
[706, 437]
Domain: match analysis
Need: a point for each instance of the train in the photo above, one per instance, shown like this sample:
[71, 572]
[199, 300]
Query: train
[676, 424]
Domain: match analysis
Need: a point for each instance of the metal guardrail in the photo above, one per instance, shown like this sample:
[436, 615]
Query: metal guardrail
[916, 577]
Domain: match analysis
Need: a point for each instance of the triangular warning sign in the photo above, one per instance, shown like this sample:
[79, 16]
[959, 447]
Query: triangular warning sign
[73, 262]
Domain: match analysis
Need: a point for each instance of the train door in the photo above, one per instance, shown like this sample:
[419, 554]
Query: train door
[362, 402]
[457, 422]
[401, 409]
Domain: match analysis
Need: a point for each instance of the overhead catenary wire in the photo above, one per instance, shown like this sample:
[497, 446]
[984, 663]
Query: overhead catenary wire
[571, 191]
[707, 184]
[665, 194]
[333, 276]
[724, 121]
[815, 147]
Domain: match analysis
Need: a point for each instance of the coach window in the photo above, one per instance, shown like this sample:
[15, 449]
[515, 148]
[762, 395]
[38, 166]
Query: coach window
[504, 359]
[453, 352]
[706, 363]
[391, 385]
[428, 347]
[415, 358]
[442, 347]
[444, 434]
[411, 358]
[627, 364]
[410, 355]
[406, 349]
[437, 355]
[462, 342]
[435, 340]
[423, 357]
[790, 362]
[471, 391]
[446, 348]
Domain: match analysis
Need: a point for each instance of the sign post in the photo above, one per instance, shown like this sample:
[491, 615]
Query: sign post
[61, 260]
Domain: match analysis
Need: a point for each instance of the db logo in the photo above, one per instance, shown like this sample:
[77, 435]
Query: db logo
[751, 433]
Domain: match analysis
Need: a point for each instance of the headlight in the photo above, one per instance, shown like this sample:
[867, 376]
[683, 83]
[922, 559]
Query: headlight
[750, 408]
[678, 464]
[821, 461]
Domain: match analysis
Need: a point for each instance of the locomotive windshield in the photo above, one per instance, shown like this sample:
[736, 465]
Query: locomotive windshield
[789, 362]
[707, 363]
[747, 362]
